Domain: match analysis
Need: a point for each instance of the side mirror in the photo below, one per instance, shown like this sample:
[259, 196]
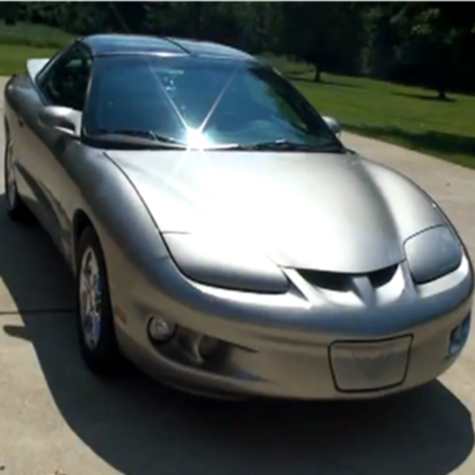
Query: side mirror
[333, 125]
[61, 118]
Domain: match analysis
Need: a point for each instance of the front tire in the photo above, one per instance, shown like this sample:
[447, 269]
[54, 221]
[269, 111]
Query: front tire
[16, 209]
[95, 321]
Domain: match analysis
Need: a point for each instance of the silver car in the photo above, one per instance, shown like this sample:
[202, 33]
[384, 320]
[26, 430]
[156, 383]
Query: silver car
[221, 236]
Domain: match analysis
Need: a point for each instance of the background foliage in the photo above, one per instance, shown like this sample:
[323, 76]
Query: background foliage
[382, 69]
[429, 44]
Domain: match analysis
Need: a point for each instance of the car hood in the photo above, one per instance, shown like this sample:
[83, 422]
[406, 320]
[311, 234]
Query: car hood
[329, 212]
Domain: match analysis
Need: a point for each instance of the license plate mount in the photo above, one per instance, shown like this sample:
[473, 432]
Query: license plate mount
[370, 365]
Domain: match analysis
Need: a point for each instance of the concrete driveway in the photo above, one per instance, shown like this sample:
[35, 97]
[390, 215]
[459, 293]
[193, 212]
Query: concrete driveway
[57, 418]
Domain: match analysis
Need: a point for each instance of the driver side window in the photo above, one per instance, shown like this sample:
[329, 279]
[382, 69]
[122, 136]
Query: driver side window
[66, 82]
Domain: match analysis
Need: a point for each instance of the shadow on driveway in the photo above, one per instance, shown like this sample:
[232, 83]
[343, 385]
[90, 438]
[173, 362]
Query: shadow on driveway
[430, 141]
[139, 427]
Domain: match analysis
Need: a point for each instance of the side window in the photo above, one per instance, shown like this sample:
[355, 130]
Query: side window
[65, 84]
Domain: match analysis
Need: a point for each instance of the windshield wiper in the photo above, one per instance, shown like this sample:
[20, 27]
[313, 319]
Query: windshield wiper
[149, 136]
[282, 144]
[279, 144]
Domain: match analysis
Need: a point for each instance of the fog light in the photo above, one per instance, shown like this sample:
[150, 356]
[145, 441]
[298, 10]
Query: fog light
[160, 330]
[459, 336]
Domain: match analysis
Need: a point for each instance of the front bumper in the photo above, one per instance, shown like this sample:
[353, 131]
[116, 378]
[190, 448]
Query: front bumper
[286, 345]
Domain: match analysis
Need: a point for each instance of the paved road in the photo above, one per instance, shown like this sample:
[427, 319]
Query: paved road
[55, 417]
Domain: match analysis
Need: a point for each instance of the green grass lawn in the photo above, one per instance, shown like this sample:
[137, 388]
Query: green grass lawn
[28, 34]
[13, 58]
[23, 40]
[409, 116]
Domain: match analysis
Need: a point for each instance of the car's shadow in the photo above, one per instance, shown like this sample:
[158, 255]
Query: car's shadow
[137, 426]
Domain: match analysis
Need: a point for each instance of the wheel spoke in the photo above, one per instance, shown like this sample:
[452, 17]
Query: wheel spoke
[10, 179]
[90, 298]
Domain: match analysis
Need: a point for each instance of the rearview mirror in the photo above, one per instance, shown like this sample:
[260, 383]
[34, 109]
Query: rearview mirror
[333, 125]
[61, 118]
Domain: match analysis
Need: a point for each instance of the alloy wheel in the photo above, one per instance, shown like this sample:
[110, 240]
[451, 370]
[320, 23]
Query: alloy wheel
[90, 298]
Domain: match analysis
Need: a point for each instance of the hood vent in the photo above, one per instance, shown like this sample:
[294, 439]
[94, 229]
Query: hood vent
[342, 282]
[328, 280]
[378, 286]
[383, 276]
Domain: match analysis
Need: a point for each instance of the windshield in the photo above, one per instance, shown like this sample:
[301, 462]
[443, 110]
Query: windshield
[200, 103]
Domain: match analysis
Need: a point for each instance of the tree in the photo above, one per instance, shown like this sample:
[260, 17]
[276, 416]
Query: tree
[428, 45]
[221, 22]
[74, 17]
[328, 35]
[434, 43]
[380, 51]
[10, 12]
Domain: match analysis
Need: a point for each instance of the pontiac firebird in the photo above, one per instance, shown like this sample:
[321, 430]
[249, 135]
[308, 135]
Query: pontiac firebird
[221, 236]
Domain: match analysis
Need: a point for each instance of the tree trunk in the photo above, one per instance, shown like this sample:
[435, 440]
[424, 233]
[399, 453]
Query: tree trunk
[442, 80]
[318, 74]
[442, 95]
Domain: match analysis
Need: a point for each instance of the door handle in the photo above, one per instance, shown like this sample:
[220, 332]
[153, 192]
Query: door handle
[21, 123]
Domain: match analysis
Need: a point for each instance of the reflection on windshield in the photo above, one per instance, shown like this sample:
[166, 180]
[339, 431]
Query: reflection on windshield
[202, 103]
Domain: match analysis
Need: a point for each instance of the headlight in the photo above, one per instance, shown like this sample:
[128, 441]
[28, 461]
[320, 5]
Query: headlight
[222, 264]
[433, 253]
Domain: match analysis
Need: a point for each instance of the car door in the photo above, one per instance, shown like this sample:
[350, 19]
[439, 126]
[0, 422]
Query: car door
[46, 149]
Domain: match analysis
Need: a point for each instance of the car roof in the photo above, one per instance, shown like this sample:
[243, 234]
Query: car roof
[117, 44]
